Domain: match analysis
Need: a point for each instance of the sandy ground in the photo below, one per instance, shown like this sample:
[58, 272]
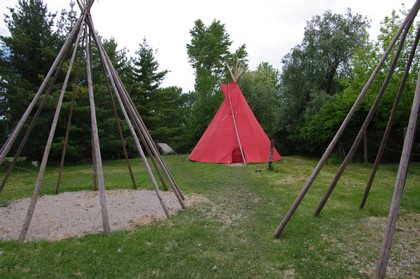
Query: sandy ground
[73, 214]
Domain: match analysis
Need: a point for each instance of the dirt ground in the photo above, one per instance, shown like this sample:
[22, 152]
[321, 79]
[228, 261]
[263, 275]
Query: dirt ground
[73, 214]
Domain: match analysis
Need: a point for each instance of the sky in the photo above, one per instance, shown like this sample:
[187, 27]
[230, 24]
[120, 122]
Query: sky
[268, 28]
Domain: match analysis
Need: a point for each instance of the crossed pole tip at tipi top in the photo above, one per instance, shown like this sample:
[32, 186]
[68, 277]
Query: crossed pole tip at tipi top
[236, 72]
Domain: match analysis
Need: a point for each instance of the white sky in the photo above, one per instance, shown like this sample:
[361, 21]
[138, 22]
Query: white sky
[268, 28]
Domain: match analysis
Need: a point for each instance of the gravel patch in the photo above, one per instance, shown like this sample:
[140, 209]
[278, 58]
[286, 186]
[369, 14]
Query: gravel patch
[74, 214]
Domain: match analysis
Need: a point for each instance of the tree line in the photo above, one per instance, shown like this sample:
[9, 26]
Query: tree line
[301, 105]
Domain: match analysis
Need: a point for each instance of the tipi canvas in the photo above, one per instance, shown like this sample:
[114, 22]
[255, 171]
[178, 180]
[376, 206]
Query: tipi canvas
[234, 135]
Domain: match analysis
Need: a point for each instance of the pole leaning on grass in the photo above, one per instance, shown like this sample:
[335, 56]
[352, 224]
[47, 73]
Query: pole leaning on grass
[343, 126]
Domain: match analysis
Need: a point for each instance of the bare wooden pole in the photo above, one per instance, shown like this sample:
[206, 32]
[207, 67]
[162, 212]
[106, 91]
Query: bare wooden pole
[94, 163]
[68, 125]
[120, 133]
[340, 131]
[149, 142]
[148, 138]
[234, 125]
[95, 136]
[390, 121]
[43, 166]
[136, 140]
[399, 185]
[367, 121]
[270, 159]
[122, 141]
[67, 45]
[63, 154]
[29, 130]
[365, 147]
[144, 133]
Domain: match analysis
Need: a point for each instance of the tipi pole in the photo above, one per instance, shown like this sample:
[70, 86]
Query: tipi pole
[147, 139]
[145, 135]
[234, 125]
[123, 142]
[122, 99]
[151, 147]
[136, 140]
[43, 166]
[95, 136]
[366, 123]
[94, 173]
[151, 144]
[153, 152]
[63, 153]
[117, 120]
[390, 121]
[67, 45]
[399, 185]
[29, 130]
[66, 137]
[121, 88]
[340, 131]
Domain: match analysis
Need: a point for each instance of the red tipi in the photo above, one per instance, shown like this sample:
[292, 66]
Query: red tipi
[234, 135]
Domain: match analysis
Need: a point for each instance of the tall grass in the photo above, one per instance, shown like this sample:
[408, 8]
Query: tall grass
[230, 236]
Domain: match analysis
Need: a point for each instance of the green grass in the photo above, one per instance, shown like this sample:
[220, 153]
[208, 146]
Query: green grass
[230, 236]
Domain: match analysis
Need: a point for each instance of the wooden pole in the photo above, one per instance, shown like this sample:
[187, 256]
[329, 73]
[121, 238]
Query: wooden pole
[63, 153]
[117, 120]
[270, 160]
[390, 121]
[29, 130]
[236, 127]
[120, 133]
[95, 136]
[43, 166]
[66, 137]
[366, 123]
[399, 185]
[340, 131]
[365, 147]
[153, 147]
[149, 144]
[67, 45]
[136, 140]
[94, 174]
[144, 133]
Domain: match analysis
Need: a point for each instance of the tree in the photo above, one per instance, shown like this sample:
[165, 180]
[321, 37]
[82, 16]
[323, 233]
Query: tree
[26, 57]
[27, 53]
[322, 126]
[313, 70]
[169, 116]
[208, 54]
[146, 79]
[261, 89]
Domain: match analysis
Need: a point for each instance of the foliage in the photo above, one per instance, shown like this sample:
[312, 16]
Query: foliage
[25, 59]
[322, 126]
[169, 116]
[261, 90]
[313, 70]
[301, 106]
[27, 54]
[208, 54]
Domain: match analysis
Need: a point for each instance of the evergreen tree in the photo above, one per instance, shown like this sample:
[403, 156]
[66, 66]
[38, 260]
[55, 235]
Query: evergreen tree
[146, 80]
[26, 57]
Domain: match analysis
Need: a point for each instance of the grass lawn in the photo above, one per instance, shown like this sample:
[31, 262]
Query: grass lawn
[230, 236]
